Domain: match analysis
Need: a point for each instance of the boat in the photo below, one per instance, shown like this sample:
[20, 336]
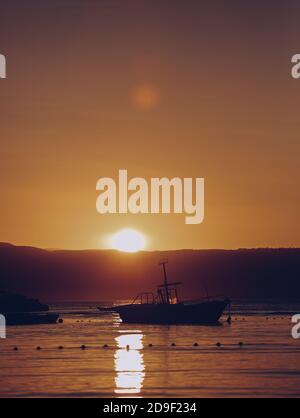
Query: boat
[164, 307]
[30, 318]
[20, 310]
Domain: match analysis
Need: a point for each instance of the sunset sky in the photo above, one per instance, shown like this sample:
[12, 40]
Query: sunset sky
[160, 88]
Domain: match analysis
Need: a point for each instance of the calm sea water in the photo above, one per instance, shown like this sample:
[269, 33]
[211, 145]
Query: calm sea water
[268, 364]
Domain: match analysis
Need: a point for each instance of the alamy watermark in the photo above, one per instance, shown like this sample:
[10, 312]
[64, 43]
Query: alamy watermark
[2, 66]
[2, 327]
[296, 327]
[296, 67]
[159, 195]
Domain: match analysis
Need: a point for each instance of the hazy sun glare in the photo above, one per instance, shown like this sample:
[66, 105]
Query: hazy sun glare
[128, 240]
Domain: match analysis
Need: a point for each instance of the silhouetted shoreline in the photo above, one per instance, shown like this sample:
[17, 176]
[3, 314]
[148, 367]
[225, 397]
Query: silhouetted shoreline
[263, 274]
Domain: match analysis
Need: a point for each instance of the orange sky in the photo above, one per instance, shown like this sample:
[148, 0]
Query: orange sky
[189, 90]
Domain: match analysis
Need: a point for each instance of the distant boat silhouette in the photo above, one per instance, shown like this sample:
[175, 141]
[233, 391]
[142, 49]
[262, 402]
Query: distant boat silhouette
[19, 310]
[164, 307]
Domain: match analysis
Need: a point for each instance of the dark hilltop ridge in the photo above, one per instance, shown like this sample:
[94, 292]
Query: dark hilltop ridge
[264, 274]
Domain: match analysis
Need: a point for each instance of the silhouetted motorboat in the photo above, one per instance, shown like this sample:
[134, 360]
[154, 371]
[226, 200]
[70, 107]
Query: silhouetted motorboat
[19, 310]
[164, 307]
[30, 318]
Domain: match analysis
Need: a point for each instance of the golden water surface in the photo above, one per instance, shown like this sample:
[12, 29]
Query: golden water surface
[151, 361]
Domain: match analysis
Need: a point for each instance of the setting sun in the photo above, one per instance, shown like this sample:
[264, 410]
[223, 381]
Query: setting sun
[128, 240]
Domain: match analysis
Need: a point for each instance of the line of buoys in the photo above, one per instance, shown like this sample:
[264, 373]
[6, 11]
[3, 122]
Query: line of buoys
[84, 347]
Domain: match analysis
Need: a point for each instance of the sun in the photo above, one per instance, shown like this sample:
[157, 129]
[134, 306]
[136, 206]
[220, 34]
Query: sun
[128, 240]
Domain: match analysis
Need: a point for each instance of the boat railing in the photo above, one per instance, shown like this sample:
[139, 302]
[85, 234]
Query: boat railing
[145, 298]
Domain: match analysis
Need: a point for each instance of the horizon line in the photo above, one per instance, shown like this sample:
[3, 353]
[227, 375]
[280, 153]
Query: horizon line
[145, 251]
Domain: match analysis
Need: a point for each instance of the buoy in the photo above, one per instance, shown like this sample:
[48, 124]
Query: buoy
[218, 344]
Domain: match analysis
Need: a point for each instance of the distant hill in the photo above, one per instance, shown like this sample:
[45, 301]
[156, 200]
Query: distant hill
[100, 274]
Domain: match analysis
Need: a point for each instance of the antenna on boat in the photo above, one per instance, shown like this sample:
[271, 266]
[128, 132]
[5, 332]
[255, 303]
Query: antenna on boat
[163, 263]
[169, 295]
[205, 289]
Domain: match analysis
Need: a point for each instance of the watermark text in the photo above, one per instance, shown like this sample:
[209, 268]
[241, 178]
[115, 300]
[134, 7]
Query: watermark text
[159, 195]
[296, 66]
[2, 327]
[2, 66]
[296, 327]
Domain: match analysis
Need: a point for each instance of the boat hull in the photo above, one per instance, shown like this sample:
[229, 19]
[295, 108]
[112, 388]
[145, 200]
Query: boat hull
[208, 312]
[26, 318]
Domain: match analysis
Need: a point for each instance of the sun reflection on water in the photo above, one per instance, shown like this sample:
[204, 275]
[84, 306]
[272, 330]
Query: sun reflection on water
[129, 364]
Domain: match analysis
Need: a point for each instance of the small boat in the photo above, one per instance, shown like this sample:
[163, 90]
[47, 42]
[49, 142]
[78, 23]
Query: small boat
[20, 310]
[164, 307]
[30, 318]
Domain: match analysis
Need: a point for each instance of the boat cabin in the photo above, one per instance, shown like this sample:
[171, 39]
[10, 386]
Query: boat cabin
[167, 293]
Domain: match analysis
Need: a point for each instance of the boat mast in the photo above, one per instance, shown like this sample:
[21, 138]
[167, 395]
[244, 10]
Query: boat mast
[163, 264]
